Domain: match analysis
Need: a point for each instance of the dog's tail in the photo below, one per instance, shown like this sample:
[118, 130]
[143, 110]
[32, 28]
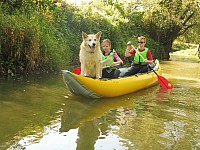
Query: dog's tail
[105, 62]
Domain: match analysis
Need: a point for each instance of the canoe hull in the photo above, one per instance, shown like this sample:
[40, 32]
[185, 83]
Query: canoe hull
[97, 88]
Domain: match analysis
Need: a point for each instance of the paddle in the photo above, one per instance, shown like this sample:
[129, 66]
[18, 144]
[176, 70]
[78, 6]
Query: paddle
[164, 83]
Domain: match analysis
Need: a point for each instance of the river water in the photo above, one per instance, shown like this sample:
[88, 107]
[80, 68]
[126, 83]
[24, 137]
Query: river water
[39, 113]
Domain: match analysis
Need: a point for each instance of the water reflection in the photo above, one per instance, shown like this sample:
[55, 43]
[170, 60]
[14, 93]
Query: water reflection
[27, 104]
[153, 118]
[163, 93]
[174, 132]
[86, 122]
[93, 118]
[91, 131]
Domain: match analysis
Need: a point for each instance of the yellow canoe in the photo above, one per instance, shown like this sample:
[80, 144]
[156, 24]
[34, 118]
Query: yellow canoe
[97, 88]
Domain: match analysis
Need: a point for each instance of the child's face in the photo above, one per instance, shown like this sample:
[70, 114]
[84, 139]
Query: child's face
[106, 46]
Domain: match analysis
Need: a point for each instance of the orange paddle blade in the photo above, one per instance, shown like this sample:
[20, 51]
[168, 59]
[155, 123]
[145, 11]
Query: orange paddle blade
[164, 82]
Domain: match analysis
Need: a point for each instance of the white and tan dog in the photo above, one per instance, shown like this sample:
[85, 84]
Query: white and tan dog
[90, 55]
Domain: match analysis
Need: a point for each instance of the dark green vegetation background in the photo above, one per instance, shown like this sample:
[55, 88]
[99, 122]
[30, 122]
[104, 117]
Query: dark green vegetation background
[45, 35]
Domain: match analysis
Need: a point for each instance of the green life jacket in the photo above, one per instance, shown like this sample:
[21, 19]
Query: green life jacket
[137, 58]
[110, 55]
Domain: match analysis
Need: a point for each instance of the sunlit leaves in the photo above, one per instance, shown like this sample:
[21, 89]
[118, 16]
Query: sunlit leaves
[168, 19]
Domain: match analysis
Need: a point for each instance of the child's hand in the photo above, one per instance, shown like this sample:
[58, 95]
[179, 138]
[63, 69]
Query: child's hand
[113, 64]
[129, 43]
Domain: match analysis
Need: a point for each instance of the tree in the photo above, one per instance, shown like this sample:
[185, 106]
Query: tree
[165, 20]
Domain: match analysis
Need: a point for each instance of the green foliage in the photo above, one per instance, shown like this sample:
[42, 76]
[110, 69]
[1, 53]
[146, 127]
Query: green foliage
[192, 35]
[45, 35]
[165, 20]
[31, 42]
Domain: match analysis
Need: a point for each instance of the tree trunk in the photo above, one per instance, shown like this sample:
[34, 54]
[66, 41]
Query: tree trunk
[167, 48]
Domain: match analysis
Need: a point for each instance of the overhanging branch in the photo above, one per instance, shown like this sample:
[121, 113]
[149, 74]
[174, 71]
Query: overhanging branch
[187, 19]
[183, 31]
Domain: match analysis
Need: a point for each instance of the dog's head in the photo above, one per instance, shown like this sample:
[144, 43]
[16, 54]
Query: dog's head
[91, 41]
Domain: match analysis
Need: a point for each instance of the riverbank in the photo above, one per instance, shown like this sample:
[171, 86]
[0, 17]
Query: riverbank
[184, 49]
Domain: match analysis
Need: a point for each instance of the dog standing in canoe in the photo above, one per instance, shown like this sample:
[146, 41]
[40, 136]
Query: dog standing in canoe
[90, 55]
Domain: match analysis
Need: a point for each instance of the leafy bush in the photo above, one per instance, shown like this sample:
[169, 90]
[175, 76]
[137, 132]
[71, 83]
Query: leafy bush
[45, 35]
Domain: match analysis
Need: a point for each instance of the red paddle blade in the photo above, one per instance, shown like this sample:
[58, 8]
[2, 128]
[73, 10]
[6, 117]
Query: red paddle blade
[77, 70]
[164, 82]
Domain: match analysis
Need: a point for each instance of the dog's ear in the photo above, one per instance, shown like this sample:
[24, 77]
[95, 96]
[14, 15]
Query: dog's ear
[84, 35]
[98, 35]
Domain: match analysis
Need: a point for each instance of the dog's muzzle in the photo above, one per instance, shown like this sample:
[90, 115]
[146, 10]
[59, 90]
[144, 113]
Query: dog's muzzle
[93, 45]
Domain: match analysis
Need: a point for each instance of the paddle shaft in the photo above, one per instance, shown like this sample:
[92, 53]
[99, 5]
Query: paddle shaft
[142, 57]
[137, 52]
